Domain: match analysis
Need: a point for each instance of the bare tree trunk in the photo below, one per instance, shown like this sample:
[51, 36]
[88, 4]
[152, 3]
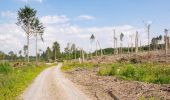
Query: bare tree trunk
[148, 29]
[36, 49]
[128, 48]
[101, 52]
[136, 42]
[166, 43]
[82, 51]
[116, 47]
[28, 48]
[114, 42]
[91, 52]
[55, 54]
[75, 54]
[96, 49]
[131, 44]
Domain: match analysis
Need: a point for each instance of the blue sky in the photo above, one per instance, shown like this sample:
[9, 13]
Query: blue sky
[83, 17]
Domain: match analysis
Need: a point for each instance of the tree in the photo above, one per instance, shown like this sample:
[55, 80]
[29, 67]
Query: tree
[48, 53]
[160, 39]
[166, 41]
[92, 39]
[11, 54]
[136, 42]
[56, 50]
[38, 29]
[73, 49]
[26, 17]
[121, 40]
[20, 53]
[25, 50]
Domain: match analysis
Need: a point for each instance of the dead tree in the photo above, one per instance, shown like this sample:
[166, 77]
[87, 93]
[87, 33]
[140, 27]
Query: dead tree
[166, 43]
[131, 44]
[115, 40]
[136, 42]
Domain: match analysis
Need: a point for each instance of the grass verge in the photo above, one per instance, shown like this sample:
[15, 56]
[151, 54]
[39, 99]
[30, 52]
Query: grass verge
[152, 73]
[14, 81]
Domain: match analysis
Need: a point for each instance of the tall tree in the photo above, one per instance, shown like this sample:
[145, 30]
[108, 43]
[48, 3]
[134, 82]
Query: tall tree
[73, 48]
[92, 39]
[121, 41]
[166, 41]
[136, 42]
[48, 53]
[56, 50]
[25, 48]
[26, 17]
[38, 29]
[20, 53]
[11, 54]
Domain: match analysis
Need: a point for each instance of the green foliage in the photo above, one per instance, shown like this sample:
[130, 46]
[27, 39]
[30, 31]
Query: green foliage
[13, 83]
[152, 73]
[108, 70]
[127, 71]
[5, 68]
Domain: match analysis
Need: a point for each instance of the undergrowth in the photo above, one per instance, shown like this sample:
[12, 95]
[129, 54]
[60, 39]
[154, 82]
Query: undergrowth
[14, 81]
[152, 73]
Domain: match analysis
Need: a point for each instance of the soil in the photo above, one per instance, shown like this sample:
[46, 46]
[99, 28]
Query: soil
[113, 88]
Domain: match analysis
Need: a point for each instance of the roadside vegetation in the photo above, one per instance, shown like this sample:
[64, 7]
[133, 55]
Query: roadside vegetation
[14, 80]
[144, 72]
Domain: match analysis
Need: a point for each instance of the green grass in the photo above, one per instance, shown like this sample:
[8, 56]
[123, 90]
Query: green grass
[75, 65]
[14, 81]
[152, 73]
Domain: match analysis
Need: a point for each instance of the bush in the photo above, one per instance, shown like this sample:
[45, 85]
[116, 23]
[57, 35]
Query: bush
[5, 68]
[128, 71]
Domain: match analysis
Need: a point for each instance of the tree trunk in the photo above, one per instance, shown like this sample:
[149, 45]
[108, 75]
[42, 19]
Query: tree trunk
[28, 48]
[136, 42]
[166, 45]
[114, 42]
[101, 52]
[82, 56]
[55, 54]
[36, 49]
[91, 51]
[75, 54]
[148, 28]
[96, 49]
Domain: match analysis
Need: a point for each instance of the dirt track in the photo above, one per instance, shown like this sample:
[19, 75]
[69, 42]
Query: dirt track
[51, 84]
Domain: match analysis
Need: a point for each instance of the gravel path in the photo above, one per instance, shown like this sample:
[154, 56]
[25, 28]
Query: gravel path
[51, 84]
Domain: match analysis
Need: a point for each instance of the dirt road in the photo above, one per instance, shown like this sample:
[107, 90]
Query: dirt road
[51, 84]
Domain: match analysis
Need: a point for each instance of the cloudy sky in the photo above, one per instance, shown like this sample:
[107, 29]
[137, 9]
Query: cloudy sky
[75, 20]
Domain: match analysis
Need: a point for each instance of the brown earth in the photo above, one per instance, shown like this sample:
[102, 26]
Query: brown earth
[112, 88]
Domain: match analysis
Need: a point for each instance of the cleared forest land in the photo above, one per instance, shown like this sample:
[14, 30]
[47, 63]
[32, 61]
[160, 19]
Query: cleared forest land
[124, 77]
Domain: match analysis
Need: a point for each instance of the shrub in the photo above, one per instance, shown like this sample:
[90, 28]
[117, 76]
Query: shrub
[127, 71]
[5, 68]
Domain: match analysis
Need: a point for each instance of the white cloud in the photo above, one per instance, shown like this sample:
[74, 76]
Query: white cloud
[85, 17]
[59, 28]
[8, 14]
[54, 19]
